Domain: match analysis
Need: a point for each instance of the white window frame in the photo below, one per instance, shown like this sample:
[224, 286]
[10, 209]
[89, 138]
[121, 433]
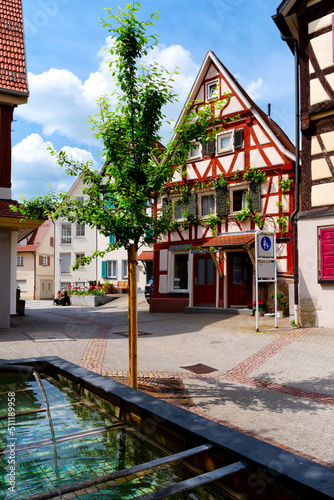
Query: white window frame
[202, 195]
[240, 187]
[66, 239]
[199, 154]
[81, 200]
[80, 228]
[44, 260]
[64, 284]
[61, 265]
[229, 149]
[112, 273]
[125, 269]
[212, 94]
[20, 260]
[171, 267]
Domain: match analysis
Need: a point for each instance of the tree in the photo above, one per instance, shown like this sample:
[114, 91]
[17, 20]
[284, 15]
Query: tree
[136, 165]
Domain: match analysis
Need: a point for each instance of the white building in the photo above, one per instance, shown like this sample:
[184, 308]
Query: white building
[73, 241]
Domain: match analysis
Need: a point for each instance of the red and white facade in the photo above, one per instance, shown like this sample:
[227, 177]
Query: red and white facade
[213, 266]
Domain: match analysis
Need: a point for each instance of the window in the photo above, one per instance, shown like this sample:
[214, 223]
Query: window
[326, 254]
[180, 274]
[22, 284]
[65, 262]
[44, 260]
[212, 90]
[224, 143]
[78, 257]
[179, 208]
[64, 284]
[238, 199]
[80, 230]
[207, 205]
[66, 234]
[124, 269]
[20, 260]
[195, 150]
[81, 200]
[109, 269]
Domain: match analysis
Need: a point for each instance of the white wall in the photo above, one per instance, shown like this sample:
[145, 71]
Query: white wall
[5, 276]
[316, 300]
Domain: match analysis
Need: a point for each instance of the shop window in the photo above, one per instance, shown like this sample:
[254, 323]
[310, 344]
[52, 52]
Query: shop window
[180, 271]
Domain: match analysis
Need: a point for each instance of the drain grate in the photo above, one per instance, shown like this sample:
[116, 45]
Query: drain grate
[199, 369]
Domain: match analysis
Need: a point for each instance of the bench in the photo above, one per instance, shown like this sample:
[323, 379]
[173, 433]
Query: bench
[122, 285]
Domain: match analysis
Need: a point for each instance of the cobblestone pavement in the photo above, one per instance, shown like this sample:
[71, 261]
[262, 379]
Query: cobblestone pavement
[276, 384]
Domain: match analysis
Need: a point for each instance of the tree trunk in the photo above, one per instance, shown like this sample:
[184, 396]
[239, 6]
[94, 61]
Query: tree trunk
[132, 272]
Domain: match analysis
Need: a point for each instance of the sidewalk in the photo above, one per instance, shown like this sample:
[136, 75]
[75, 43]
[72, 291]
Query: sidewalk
[276, 384]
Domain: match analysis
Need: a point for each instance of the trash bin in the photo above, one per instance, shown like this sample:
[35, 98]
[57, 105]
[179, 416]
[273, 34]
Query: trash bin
[20, 307]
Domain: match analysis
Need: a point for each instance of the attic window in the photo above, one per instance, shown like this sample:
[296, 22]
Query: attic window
[212, 90]
[195, 151]
[225, 143]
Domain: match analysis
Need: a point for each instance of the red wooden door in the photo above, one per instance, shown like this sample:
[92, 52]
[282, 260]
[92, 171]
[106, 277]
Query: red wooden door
[204, 280]
[240, 271]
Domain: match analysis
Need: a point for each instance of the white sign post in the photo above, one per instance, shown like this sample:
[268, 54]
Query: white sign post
[265, 266]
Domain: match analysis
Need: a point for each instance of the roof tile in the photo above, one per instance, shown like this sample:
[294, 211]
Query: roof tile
[12, 57]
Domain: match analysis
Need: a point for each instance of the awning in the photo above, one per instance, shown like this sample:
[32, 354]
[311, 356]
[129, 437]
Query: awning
[144, 256]
[230, 241]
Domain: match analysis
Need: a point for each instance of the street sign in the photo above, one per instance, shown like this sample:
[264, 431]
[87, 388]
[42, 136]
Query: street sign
[266, 246]
[266, 271]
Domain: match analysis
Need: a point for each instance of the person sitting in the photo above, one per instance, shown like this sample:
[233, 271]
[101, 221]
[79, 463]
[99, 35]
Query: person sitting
[65, 300]
[57, 299]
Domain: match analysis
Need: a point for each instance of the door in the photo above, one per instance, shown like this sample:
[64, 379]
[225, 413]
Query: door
[240, 271]
[46, 289]
[204, 281]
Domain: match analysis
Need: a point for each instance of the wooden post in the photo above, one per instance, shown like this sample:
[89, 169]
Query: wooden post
[132, 272]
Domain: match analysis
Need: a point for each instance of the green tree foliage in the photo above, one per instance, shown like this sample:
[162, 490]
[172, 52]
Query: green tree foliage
[136, 165]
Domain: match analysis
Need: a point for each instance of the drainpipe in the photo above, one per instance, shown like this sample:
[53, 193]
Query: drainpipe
[293, 216]
[34, 289]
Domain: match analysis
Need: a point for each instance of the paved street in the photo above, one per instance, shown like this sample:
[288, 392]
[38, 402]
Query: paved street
[276, 384]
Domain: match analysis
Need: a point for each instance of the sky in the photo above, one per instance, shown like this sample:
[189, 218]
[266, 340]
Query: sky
[67, 72]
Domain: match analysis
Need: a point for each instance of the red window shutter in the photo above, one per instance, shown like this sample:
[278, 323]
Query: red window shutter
[40, 260]
[327, 253]
[48, 260]
[51, 241]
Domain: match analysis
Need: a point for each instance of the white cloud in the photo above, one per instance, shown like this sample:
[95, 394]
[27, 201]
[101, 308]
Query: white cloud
[34, 169]
[61, 103]
[256, 89]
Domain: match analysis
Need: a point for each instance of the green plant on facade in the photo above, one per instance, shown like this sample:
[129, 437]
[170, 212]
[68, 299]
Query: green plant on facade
[281, 303]
[236, 175]
[286, 184]
[279, 205]
[255, 175]
[219, 181]
[282, 222]
[259, 221]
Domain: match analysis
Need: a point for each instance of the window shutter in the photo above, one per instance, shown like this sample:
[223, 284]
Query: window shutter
[51, 242]
[222, 201]
[238, 138]
[40, 260]
[104, 269]
[192, 205]
[209, 147]
[165, 205]
[255, 196]
[111, 239]
[327, 253]
[48, 260]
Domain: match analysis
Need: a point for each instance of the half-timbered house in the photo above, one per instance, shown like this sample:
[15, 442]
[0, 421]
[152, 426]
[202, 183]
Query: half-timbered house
[311, 23]
[233, 185]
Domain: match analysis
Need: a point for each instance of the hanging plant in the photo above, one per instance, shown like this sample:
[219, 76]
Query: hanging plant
[282, 223]
[255, 175]
[259, 221]
[219, 181]
[185, 191]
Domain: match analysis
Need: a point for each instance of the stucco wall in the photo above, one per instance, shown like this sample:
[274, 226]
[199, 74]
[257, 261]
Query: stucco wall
[316, 300]
[5, 278]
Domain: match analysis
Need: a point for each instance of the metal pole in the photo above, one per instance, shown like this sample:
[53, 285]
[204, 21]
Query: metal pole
[275, 263]
[256, 283]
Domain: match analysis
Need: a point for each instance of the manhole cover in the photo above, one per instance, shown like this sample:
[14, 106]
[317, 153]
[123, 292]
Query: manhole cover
[199, 369]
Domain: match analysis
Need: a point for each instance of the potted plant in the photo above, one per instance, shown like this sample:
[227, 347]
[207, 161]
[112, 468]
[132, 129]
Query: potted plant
[261, 306]
[281, 303]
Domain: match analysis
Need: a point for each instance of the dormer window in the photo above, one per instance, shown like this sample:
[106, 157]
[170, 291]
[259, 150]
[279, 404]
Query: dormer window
[212, 89]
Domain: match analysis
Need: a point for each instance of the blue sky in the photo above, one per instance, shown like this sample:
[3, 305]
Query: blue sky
[67, 71]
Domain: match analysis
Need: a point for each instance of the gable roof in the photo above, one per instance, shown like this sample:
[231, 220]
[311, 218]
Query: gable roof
[13, 79]
[36, 238]
[273, 129]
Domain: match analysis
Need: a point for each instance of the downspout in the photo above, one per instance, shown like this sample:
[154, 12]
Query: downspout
[293, 216]
[34, 294]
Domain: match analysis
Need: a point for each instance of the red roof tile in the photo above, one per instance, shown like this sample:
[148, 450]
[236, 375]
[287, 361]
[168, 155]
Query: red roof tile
[12, 57]
[230, 240]
[39, 234]
[145, 256]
